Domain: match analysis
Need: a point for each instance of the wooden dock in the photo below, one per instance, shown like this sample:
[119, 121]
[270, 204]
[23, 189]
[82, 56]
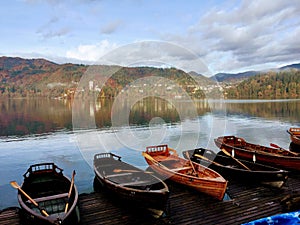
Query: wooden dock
[247, 203]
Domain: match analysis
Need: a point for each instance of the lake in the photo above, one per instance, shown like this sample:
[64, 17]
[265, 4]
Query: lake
[70, 133]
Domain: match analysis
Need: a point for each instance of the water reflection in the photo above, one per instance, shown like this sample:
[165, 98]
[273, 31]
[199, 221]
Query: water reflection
[282, 110]
[33, 116]
[37, 116]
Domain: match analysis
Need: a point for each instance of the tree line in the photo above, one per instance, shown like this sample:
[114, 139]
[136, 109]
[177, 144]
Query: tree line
[270, 85]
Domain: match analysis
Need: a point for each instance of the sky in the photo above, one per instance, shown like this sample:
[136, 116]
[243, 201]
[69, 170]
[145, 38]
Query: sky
[226, 36]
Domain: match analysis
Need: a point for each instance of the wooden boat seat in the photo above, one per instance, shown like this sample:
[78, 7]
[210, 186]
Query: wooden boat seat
[181, 168]
[118, 175]
[164, 159]
[105, 165]
[51, 197]
[135, 183]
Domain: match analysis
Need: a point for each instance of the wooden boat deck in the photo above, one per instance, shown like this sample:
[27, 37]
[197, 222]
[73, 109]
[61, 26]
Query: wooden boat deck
[248, 202]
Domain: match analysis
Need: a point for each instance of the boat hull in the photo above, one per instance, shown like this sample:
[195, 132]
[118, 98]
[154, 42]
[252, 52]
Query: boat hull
[240, 149]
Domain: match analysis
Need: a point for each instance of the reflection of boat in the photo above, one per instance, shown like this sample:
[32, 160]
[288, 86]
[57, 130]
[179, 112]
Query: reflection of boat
[294, 135]
[54, 196]
[131, 183]
[277, 157]
[166, 162]
[230, 168]
[284, 218]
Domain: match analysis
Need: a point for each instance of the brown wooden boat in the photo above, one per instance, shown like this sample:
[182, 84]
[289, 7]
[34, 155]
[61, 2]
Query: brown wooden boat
[294, 135]
[47, 196]
[168, 165]
[128, 182]
[247, 172]
[277, 157]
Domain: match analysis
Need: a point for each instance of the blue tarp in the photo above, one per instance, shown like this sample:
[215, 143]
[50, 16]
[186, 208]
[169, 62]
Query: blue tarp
[282, 219]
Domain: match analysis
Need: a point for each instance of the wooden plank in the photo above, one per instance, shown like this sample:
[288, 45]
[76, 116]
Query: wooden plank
[181, 168]
[118, 175]
[10, 216]
[51, 197]
[133, 183]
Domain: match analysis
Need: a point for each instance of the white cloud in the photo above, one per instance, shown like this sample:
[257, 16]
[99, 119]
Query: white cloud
[91, 53]
[143, 53]
[247, 35]
[155, 53]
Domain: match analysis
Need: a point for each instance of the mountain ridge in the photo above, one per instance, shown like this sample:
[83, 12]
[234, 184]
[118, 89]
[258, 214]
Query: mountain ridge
[41, 77]
[8, 63]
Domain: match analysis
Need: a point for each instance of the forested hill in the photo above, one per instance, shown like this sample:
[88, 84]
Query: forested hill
[36, 77]
[39, 77]
[270, 85]
[233, 77]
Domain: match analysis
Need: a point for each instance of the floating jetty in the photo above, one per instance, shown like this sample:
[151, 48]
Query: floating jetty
[246, 202]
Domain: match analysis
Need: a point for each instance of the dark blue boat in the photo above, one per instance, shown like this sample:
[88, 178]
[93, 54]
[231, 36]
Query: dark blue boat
[231, 169]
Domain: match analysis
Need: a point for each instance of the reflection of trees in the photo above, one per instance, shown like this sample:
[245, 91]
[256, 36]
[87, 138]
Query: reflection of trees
[103, 113]
[143, 111]
[148, 108]
[268, 110]
[33, 116]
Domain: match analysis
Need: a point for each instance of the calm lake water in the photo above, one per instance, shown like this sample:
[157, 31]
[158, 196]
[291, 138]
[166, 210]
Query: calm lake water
[40, 130]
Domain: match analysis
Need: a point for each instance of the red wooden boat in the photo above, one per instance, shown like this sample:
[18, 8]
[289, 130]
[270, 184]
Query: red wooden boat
[277, 157]
[168, 165]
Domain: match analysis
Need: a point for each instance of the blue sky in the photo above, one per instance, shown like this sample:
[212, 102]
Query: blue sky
[228, 36]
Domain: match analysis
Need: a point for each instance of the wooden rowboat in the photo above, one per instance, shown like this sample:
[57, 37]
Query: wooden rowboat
[231, 169]
[277, 157]
[168, 165]
[47, 196]
[294, 135]
[140, 187]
